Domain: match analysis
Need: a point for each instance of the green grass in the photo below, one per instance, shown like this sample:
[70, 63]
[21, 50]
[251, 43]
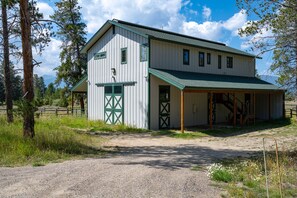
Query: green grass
[246, 178]
[96, 126]
[53, 143]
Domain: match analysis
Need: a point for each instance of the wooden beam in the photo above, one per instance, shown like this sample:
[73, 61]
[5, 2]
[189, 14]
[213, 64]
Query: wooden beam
[182, 109]
[234, 109]
[254, 107]
[269, 106]
[210, 109]
[229, 91]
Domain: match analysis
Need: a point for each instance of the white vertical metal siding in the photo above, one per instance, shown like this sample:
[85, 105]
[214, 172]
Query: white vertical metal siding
[167, 55]
[99, 71]
[262, 106]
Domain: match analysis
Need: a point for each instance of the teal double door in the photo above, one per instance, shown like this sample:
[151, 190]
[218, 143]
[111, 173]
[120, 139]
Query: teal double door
[114, 104]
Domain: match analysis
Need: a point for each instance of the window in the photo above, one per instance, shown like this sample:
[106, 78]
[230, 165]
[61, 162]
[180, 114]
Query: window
[208, 58]
[143, 52]
[201, 59]
[186, 57]
[108, 89]
[219, 62]
[117, 89]
[229, 62]
[100, 55]
[124, 56]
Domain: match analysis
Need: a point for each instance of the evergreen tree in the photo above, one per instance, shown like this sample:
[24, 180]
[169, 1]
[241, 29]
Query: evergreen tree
[279, 17]
[71, 30]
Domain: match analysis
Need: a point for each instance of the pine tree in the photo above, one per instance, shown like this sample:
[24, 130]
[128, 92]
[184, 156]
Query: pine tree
[72, 32]
[279, 17]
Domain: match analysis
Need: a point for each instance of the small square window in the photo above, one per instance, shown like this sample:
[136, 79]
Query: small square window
[108, 89]
[124, 56]
[186, 57]
[201, 59]
[208, 59]
[219, 62]
[100, 55]
[229, 62]
[143, 52]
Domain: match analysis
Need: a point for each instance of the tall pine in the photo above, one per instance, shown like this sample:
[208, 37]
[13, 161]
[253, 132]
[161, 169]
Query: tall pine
[71, 31]
[278, 18]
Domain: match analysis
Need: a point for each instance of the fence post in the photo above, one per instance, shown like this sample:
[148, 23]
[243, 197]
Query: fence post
[56, 112]
[291, 113]
[67, 111]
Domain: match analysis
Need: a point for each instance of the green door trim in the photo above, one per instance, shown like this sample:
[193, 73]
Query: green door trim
[115, 100]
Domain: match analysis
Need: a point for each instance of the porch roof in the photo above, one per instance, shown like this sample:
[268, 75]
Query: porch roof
[81, 86]
[202, 81]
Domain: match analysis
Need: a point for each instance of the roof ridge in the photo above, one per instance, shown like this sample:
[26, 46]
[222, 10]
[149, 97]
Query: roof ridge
[168, 32]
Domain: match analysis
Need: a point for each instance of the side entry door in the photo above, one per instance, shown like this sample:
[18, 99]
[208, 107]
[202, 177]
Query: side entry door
[164, 107]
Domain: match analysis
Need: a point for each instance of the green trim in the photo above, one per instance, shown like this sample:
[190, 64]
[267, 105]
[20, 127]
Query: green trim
[100, 55]
[117, 83]
[166, 79]
[115, 22]
[126, 54]
[143, 46]
[84, 78]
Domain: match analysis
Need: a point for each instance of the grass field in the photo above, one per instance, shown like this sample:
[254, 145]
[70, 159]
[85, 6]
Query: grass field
[56, 140]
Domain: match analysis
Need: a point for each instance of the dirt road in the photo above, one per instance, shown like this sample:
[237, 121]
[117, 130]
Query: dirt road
[145, 166]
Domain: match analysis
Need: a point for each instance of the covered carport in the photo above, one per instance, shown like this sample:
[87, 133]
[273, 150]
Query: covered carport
[245, 98]
[81, 88]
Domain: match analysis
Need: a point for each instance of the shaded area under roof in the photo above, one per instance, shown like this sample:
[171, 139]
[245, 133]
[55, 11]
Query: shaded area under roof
[190, 80]
[81, 86]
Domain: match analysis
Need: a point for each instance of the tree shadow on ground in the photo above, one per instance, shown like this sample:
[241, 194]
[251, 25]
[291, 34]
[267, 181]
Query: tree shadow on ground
[177, 157]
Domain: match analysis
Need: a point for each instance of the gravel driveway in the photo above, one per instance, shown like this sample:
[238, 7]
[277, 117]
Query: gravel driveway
[145, 166]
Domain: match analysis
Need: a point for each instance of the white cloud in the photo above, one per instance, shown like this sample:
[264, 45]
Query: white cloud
[208, 30]
[46, 9]
[235, 22]
[50, 58]
[157, 13]
[206, 13]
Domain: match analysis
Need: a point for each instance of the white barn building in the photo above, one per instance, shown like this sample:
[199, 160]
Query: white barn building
[154, 79]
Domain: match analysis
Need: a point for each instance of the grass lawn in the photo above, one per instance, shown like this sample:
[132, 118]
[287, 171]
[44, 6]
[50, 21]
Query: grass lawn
[285, 126]
[56, 140]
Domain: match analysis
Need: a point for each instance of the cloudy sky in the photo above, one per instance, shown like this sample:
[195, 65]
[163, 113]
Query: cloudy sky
[210, 19]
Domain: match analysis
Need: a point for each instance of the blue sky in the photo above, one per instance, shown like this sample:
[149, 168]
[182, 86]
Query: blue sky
[216, 20]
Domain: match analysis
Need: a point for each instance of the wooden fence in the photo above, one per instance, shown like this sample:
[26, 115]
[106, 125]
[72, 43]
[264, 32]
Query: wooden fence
[43, 111]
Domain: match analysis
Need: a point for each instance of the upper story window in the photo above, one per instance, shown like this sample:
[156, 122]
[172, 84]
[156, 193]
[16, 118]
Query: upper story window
[208, 58]
[186, 57]
[201, 59]
[100, 55]
[124, 56]
[143, 52]
[219, 62]
[229, 62]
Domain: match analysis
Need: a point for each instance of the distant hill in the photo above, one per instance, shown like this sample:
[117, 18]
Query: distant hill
[270, 79]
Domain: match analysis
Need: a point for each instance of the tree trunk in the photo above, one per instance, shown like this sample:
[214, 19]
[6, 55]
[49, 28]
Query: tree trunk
[6, 63]
[28, 90]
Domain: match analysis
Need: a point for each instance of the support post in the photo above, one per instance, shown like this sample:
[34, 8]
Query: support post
[182, 109]
[284, 106]
[234, 109]
[72, 103]
[254, 108]
[210, 109]
[269, 106]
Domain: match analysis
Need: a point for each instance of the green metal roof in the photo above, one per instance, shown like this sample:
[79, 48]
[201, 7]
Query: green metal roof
[81, 86]
[191, 80]
[158, 34]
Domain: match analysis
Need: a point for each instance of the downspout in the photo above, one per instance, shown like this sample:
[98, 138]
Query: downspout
[149, 83]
